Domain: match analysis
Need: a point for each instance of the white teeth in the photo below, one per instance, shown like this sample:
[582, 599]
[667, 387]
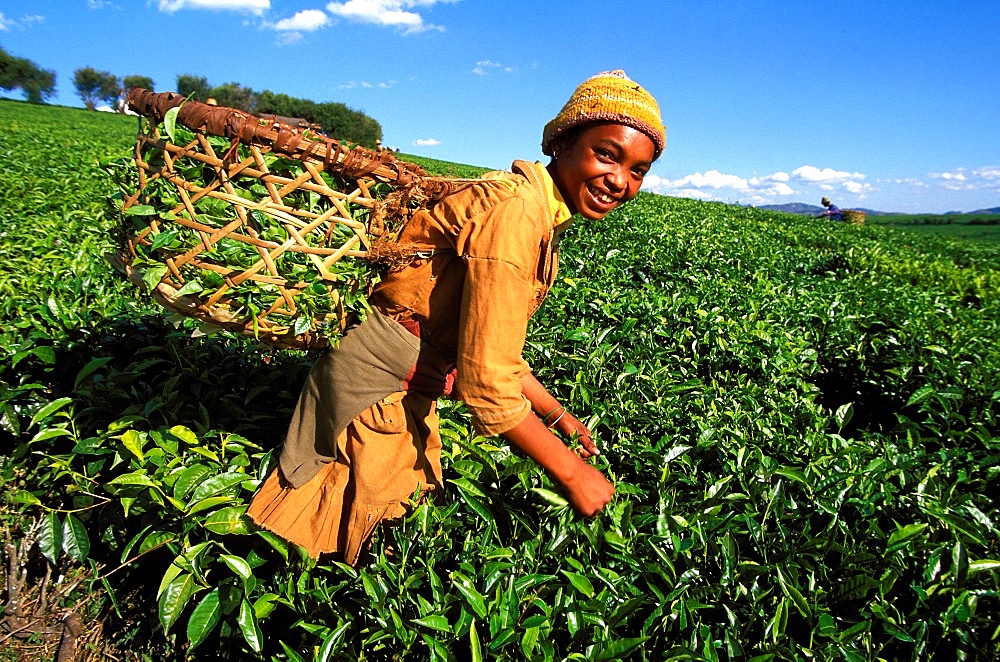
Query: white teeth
[602, 197]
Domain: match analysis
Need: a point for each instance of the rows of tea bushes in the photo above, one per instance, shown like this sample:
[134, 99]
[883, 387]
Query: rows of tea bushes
[800, 417]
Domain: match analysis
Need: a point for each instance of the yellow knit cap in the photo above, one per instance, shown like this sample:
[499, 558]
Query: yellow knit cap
[610, 96]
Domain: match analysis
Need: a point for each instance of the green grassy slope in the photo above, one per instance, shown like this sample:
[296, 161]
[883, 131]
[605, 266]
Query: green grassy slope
[981, 227]
[802, 421]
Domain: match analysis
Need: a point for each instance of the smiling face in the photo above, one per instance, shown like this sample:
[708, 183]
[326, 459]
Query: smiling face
[602, 168]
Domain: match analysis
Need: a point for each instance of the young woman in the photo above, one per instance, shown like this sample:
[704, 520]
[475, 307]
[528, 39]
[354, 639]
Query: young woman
[364, 436]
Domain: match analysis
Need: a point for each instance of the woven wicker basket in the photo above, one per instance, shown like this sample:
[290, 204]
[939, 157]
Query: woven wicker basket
[260, 227]
[853, 216]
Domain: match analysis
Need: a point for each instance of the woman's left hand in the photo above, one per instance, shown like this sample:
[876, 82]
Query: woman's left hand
[569, 425]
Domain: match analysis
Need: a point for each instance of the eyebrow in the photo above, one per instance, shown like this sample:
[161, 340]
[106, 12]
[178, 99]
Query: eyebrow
[611, 142]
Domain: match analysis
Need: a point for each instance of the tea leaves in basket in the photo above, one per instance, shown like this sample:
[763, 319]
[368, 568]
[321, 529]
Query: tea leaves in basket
[247, 239]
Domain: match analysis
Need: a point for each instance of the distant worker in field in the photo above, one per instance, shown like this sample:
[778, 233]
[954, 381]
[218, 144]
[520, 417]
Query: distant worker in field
[454, 322]
[831, 212]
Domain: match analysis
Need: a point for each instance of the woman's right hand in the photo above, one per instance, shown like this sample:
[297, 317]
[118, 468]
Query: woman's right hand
[588, 490]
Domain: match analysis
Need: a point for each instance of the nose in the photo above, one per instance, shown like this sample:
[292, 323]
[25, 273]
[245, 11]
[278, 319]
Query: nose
[616, 179]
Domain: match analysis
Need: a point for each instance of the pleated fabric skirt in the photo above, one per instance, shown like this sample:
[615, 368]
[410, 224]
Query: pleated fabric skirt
[388, 455]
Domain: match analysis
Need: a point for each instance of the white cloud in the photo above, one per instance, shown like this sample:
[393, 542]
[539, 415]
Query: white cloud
[386, 13]
[957, 176]
[804, 182]
[855, 187]
[288, 38]
[483, 67]
[825, 175]
[99, 4]
[426, 142]
[306, 20]
[990, 173]
[693, 193]
[976, 179]
[711, 179]
[906, 181]
[27, 21]
[256, 7]
[705, 185]
[780, 188]
[367, 85]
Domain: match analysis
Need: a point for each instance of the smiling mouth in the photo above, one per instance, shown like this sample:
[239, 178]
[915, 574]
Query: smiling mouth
[602, 196]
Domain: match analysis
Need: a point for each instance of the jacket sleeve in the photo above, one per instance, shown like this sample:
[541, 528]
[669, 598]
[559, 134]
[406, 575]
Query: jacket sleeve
[501, 249]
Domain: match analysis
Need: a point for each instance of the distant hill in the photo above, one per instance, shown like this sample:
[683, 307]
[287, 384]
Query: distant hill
[794, 208]
[813, 210]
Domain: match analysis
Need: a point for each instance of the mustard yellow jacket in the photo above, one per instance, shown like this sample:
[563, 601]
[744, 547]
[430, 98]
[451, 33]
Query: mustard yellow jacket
[495, 255]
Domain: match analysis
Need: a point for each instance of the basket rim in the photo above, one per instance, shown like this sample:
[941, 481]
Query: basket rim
[294, 142]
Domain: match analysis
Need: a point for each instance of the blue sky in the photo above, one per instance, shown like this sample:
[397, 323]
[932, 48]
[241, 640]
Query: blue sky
[891, 105]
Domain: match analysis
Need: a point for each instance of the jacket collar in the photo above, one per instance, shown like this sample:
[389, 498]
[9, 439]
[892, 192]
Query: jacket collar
[540, 178]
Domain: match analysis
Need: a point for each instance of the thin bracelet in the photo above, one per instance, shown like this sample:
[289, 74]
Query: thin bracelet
[557, 419]
[545, 419]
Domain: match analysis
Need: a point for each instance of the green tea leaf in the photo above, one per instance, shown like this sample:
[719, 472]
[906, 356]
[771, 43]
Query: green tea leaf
[249, 627]
[204, 618]
[238, 565]
[50, 537]
[580, 582]
[435, 622]
[208, 504]
[551, 497]
[170, 123]
[140, 210]
[175, 598]
[163, 239]
[216, 484]
[983, 565]
[231, 521]
[471, 594]
[151, 276]
[475, 647]
[903, 535]
[188, 479]
[76, 541]
[290, 652]
[303, 324]
[139, 477]
[86, 371]
[49, 410]
[620, 648]
[793, 593]
[25, 497]
[133, 441]
[920, 395]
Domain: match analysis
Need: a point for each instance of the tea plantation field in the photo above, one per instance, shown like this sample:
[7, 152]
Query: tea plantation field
[802, 421]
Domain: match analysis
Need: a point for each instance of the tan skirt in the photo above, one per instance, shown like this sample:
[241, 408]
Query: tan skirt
[389, 454]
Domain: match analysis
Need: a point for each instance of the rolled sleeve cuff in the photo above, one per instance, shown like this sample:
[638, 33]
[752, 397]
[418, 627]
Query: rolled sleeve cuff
[494, 422]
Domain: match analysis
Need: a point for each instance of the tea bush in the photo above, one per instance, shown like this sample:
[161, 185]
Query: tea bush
[800, 419]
